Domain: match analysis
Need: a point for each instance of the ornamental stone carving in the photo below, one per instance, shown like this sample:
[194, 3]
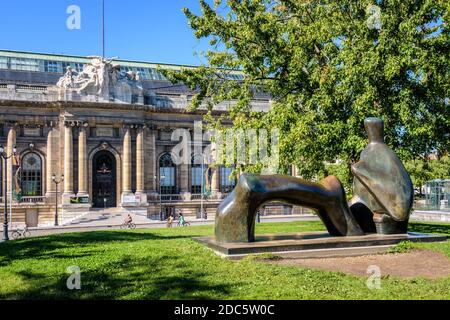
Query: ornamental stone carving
[104, 80]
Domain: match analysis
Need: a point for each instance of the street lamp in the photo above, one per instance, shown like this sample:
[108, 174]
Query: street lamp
[161, 178]
[57, 182]
[5, 156]
[202, 187]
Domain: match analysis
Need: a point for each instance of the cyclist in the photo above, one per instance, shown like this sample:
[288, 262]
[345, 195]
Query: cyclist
[128, 220]
[182, 222]
[177, 213]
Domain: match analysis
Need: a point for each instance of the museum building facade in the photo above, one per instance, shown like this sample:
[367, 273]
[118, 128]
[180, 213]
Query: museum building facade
[104, 126]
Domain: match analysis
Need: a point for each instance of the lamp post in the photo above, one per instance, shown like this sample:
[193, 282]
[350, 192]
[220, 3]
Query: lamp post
[161, 178]
[202, 186]
[5, 156]
[57, 182]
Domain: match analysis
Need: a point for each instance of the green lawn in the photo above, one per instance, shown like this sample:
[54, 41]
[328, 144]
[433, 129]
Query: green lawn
[168, 264]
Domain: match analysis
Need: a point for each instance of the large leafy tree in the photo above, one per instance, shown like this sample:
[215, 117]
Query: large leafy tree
[329, 64]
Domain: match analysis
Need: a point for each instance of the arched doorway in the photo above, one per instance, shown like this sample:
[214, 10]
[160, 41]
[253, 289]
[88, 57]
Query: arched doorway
[104, 180]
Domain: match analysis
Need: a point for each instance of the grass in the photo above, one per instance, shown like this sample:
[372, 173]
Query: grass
[168, 264]
[402, 247]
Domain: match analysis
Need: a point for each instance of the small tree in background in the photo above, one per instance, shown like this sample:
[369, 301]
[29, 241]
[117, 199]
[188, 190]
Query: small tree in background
[424, 170]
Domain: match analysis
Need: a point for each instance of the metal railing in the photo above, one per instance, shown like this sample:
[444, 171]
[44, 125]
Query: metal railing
[443, 205]
[170, 197]
[39, 199]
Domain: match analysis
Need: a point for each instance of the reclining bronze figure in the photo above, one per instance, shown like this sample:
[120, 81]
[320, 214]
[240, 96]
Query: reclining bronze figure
[383, 196]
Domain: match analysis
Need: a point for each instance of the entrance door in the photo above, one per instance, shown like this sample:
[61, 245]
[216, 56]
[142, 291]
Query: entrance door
[104, 180]
[167, 211]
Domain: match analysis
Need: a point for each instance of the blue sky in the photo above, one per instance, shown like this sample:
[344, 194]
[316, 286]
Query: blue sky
[147, 30]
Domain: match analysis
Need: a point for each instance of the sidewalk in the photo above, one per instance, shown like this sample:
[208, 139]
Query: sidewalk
[99, 222]
[142, 222]
[431, 216]
[113, 224]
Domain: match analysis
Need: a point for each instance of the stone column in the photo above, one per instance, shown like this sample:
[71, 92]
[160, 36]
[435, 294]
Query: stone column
[82, 163]
[215, 183]
[216, 161]
[68, 160]
[140, 167]
[154, 165]
[183, 175]
[140, 161]
[126, 163]
[150, 156]
[50, 186]
[12, 136]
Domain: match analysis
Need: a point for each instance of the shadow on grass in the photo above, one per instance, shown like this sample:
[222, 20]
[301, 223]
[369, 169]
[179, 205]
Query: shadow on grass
[45, 246]
[430, 228]
[149, 278]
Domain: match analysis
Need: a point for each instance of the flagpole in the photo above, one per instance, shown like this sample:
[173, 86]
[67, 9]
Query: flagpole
[103, 28]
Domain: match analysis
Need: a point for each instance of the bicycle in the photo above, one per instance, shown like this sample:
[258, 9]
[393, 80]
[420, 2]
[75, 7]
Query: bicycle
[183, 223]
[18, 233]
[130, 225]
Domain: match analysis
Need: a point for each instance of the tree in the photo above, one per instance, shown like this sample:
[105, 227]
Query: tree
[424, 170]
[328, 65]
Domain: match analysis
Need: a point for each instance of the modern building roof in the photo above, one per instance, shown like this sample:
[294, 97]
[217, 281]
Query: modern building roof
[57, 64]
[37, 71]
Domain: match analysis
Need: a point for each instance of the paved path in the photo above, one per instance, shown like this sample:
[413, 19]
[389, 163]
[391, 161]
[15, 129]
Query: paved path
[102, 218]
[111, 220]
[433, 216]
[98, 221]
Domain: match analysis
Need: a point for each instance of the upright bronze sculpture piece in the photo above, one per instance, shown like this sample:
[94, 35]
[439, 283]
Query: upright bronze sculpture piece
[382, 185]
[382, 201]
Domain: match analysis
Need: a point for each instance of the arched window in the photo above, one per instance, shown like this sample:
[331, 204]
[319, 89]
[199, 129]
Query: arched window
[31, 181]
[167, 174]
[227, 181]
[196, 174]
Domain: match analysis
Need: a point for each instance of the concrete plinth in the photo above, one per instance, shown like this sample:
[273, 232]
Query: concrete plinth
[66, 198]
[128, 199]
[141, 198]
[315, 244]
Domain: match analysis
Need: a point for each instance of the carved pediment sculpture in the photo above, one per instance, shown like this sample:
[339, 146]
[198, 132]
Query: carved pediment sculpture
[102, 78]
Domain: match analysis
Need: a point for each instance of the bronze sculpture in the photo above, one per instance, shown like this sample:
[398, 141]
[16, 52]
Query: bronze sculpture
[382, 201]
[381, 185]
